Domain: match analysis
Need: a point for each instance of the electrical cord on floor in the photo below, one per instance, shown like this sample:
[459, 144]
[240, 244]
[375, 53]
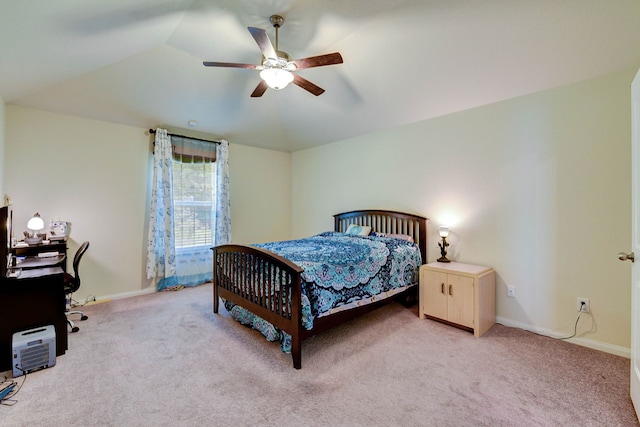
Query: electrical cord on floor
[575, 329]
[6, 388]
[9, 400]
[89, 299]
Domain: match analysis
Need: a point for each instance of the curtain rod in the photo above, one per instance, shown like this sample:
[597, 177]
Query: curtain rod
[153, 131]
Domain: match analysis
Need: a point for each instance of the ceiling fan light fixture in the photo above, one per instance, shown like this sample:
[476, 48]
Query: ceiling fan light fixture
[276, 78]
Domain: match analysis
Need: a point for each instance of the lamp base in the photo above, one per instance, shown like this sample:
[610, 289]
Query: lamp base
[443, 259]
[33, 240]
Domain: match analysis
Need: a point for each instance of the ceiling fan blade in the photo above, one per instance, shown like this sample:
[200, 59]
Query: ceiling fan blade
[318, 61]
[229, 64]
[263, 41]
[307, 85]
[260, 89]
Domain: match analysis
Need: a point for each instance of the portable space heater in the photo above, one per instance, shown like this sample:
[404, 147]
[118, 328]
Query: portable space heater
[33, 350]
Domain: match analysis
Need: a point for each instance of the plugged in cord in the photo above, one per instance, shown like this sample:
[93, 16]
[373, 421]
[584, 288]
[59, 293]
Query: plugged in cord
[575, 329]
[575, 326]
[89, 299]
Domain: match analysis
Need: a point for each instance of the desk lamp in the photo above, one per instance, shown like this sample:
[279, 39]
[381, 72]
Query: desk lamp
[35, 224]
[444, 232]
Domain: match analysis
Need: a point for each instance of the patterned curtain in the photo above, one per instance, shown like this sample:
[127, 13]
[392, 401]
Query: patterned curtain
[161, 255]
[222, 218]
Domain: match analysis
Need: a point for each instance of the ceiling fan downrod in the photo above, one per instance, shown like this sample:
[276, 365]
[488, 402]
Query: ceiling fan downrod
[276, 21]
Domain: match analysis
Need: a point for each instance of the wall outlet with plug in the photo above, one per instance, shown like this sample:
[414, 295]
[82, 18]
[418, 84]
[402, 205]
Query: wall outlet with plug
[583, 305]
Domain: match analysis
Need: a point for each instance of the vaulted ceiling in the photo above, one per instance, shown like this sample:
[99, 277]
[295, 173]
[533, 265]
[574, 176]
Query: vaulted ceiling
[139, 62]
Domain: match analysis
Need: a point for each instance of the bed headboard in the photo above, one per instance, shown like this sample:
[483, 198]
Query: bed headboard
[391, 222]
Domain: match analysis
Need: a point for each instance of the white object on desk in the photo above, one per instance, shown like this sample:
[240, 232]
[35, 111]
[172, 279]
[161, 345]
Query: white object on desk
[59, 230]
[48, 254]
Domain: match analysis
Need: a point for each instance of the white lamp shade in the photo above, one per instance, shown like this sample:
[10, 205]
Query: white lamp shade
[36, 223]
[276, 78]
[444, 231]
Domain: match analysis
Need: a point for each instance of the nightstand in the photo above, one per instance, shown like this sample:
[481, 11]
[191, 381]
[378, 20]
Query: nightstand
[463, 295]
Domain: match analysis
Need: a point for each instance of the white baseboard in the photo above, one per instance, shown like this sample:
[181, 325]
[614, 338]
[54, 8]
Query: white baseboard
[145, 291]
[585, 342]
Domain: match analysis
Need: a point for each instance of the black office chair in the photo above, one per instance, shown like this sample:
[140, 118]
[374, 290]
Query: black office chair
[72, 284]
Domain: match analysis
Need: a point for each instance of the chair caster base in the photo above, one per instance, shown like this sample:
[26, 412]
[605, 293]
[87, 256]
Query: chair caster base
[75, 329]
[84, 317]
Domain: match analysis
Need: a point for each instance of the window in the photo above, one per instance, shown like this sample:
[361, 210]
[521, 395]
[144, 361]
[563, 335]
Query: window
[190, 194]
[193, 199]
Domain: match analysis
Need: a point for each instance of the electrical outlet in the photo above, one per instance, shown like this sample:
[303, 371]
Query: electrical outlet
[583, 305]
[511, 291]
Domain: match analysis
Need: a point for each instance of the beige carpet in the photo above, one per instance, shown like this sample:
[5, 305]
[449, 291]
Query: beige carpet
[166, 359]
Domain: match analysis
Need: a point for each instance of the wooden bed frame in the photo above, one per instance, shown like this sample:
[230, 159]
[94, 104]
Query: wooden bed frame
[269, 285]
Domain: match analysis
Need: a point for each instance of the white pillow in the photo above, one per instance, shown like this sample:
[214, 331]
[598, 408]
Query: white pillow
[359, 230]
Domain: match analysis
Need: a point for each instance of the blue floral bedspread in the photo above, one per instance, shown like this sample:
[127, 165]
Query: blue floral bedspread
[339, 270]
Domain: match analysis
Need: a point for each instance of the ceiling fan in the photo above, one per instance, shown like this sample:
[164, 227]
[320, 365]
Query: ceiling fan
[277, 69]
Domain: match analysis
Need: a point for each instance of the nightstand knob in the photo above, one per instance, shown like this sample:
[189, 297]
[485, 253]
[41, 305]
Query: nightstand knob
[624, 257]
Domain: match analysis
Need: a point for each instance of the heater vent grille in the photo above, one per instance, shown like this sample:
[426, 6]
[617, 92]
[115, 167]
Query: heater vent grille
[34, 357]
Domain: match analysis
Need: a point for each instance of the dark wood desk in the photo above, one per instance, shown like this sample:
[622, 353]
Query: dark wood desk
[35, 298]
[59, 246]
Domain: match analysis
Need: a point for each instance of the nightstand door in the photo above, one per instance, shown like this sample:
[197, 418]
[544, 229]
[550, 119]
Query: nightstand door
[461, 303]
[434, 294]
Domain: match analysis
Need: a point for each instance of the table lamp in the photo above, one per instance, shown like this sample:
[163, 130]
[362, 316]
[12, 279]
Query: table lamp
[444, 232]
[35, 224]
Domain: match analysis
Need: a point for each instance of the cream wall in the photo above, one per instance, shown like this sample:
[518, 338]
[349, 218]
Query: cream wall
[261, 195]
[96, 175]
[538, 187]
[2, 173]
[91, 173]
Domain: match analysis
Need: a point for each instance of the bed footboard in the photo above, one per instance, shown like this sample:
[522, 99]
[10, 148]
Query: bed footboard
[263, 283]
